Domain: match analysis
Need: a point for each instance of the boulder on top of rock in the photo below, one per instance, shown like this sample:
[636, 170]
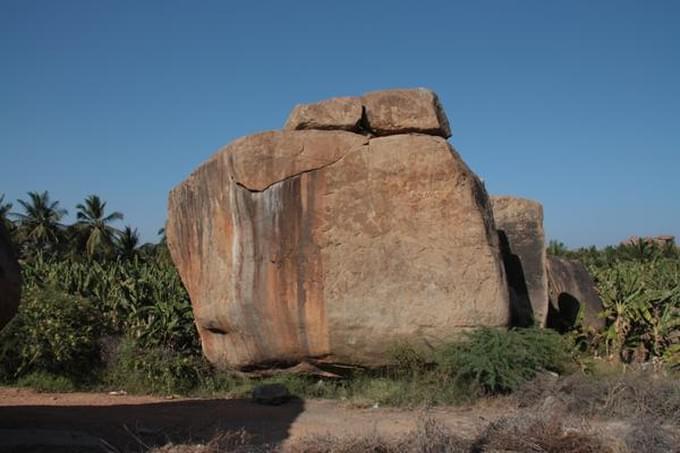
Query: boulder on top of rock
[10, 279]
[520, 227]
[405, 110]
[330, 246]
[572, 289]
[338, 113]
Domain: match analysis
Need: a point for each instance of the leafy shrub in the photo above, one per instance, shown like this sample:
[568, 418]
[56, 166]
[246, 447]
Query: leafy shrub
[45, 382]
[499, 361]
[69, 305]
[140, 298]
[642, 308]
[53, 332]
[406, 359]
[137, 369]
[639, 284]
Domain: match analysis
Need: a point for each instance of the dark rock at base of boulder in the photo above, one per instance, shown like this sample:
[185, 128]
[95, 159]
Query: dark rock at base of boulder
[271, 394]
[572, 289]
[10, 279]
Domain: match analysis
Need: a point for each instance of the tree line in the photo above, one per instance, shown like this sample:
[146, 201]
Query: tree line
[37, 227]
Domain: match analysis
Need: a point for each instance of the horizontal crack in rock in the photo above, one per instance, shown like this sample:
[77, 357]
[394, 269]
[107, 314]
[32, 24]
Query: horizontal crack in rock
[300, 173]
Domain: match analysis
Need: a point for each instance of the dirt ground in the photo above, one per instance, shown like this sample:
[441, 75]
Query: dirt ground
[31, 421]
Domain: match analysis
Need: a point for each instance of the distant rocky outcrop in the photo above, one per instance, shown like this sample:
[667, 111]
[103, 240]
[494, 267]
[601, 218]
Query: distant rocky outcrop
[658, 241]
[356, 227]
[10, 279]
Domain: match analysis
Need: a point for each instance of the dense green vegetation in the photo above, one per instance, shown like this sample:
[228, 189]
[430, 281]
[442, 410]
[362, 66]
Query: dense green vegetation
[99, 311]
[639, 284]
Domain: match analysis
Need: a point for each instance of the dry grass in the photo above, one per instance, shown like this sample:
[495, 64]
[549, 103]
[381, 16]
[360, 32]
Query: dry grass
[627, 396]
[429, 437]
[228, 442]
[548, 415]
[649, 435]
[536, 432]
[525, 432]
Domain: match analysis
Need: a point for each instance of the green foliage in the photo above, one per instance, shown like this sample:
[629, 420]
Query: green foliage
[69, 305]
[39, 227]
[407, 360]
[639, 284]
[154, 370]
[642, 307]
[42, 381]
[640, 250]
[143, 299]
[94, 231]
[127, 243]
[53, 332]
[499, 361]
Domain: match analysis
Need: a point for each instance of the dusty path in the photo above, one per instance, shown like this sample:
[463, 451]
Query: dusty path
[95, 422]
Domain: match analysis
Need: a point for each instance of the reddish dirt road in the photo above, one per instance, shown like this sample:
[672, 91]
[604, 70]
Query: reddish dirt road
[32, 421]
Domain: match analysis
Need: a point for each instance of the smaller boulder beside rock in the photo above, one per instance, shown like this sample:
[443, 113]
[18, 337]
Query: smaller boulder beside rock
[519, 222]
[572, 290]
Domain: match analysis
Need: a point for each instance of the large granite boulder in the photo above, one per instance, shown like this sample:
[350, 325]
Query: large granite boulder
[572, 290]
[520, 227]
[10, 279]
[334, 246]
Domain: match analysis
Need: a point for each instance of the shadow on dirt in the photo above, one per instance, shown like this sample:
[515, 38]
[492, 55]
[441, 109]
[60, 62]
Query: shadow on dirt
[139, 427]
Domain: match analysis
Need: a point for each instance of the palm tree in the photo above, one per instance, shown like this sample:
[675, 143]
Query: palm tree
[127, 242]
[39, 223]
[4, 212]
[161, 233]
[94, 226]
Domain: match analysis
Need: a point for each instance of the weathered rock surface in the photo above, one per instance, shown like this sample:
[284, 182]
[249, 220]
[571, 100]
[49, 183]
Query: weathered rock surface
[10, 280]
[387, 112]
[520, 227]
[571, 288]
[333, 246]
[402, 111]
[337, 113]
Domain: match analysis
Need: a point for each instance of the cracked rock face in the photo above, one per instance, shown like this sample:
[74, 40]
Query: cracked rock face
[332, 245]
[10, 280]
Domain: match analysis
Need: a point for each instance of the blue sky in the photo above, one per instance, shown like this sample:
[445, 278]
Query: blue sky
[575, 103]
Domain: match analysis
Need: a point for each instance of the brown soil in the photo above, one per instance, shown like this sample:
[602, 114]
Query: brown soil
[31, 421]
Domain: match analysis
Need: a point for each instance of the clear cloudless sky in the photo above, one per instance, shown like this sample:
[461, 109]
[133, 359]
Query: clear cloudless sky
[573, 103]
